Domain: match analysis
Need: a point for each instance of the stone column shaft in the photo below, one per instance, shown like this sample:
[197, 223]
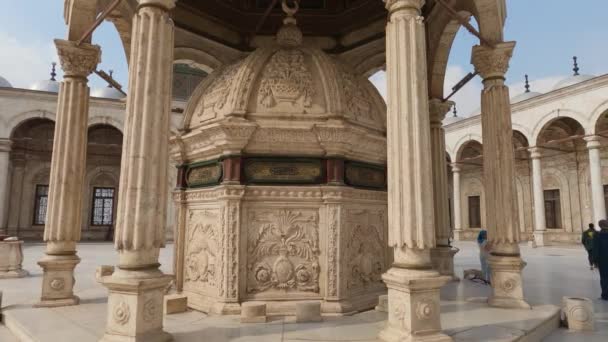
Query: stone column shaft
[135, 302]
[66, 182]
[413, 287]
[597, 186]
[499, 175]
[5, 148]
[540, 225]
[456, 198]
[442, 256]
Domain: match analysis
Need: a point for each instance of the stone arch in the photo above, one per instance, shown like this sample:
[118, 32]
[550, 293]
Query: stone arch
[463, 143]
[19, 119]
[524, 131]
[599, 118]
[196, 58]
[106, 120]
[554, 115]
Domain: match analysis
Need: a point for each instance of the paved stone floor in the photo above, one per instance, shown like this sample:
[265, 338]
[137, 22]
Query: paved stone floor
[551, 274]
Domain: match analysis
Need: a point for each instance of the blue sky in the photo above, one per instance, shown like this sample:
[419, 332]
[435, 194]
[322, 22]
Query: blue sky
[548, 32]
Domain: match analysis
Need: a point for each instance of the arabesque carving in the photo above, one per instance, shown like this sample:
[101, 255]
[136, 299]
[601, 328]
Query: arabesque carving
[203, 245]
[286, 78]
[283, 250]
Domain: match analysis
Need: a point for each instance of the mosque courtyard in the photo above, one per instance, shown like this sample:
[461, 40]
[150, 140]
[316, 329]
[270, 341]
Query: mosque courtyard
[552, 272]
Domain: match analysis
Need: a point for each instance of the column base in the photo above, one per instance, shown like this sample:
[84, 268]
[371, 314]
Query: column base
[135, 306]
[443, 261]
[507, 289]
[58, 280]
[459, 235]
[14, 274]
[413, 306]
[539, 238]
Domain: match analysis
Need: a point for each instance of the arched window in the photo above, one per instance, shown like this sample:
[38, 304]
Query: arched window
[41, 204]
[103, 207]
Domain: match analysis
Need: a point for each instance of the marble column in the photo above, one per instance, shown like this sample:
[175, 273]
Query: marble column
[66, 182]
[457, 210]
[442, 256]
[597, 186]
[540, 224]
[137, 287]
[413, 285]
[499, 176]
[5, 148]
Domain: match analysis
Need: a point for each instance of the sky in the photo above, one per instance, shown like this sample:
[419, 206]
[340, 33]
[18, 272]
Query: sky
[548, 34]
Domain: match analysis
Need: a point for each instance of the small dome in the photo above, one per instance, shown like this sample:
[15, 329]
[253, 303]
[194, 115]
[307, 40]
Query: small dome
[107, 93]
[524, 96]
[451, 119]
[46, 85]
[572, 80]
[4, 83]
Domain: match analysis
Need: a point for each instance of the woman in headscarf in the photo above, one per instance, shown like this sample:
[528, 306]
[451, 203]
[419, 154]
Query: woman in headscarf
[484, 253]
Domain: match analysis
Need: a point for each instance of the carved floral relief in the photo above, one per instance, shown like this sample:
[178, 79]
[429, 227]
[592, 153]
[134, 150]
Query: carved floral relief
[365, 248]
[283, 251]
[202, 247]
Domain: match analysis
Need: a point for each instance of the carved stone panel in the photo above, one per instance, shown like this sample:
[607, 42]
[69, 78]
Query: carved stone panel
[366, 248]
[202, 257]
[283, 251]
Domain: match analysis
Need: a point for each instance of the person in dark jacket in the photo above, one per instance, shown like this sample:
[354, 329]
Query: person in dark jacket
[600, 254]
[587, 240]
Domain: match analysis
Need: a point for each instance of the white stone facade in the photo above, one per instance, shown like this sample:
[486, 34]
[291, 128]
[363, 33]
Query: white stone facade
[554, 128]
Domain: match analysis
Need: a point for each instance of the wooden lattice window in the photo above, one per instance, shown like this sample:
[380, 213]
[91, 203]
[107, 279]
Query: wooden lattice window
[474, 212]
[41, 203]
[553, 211]
[103, 207]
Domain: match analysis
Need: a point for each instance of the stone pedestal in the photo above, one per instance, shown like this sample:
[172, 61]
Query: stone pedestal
[540, 238]
[413, 306]
[11, 258]
[507, 282]
[135, 307]
[58, 280]
[382, 303]
[443, 261]
[578, 313]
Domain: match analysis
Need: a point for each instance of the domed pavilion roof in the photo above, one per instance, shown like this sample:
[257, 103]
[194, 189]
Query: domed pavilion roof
[574, 79]
[4, 83]
[289, 80]
[107, 93]
[50, 85]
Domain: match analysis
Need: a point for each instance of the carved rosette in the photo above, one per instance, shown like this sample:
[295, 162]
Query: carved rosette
[150, 310]
[77, 61]
[426, 308]
[121, 313]
[492, 62]
[57, 284]
[283, 251]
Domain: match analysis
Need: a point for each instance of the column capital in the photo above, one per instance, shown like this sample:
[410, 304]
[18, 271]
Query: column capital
[593, 142]
[535, 152]
[492, 62]
[5, 145]
[456, 168]
[165, 4]
[396, 5]
[438, 109]
[77, 60]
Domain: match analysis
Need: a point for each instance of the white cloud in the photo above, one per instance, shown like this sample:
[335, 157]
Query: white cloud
[23, 63]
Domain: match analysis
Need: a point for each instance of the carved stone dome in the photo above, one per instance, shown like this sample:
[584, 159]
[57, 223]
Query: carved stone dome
[292, 96]
[4, 83]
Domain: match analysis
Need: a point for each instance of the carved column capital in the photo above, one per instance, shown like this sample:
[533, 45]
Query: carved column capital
[77, 61]
[535, 152]
[492, 62]
[396, 5]
[593, 142]
[455, 167]
[438, 109]
[165, 4]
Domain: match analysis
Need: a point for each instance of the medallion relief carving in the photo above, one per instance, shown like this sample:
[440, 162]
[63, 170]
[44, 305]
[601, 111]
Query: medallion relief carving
[215, 97]
[283, 250]
[121, 313]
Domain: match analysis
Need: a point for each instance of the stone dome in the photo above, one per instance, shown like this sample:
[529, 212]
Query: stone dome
[4, 83]
[524, 96]
[107, 93]
[50, 86]
[451, 119]
[572, 80]
[292, 96]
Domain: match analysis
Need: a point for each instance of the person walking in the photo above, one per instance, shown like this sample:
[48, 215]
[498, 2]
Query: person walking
[484, 254]
[600, 254]
[587, 241]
